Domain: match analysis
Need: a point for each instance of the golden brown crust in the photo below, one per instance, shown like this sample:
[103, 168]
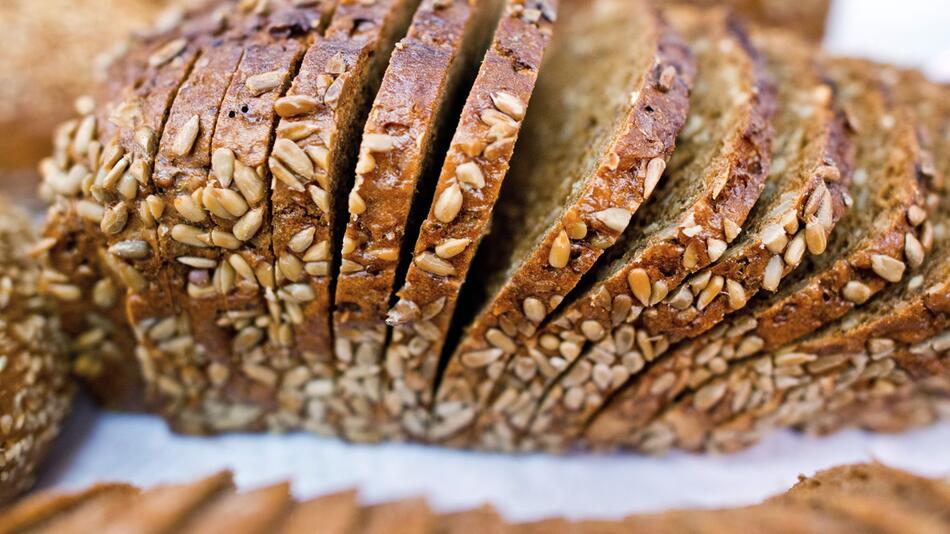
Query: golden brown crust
[260, 510]
[622, 178]
[41, 507]
[819, 298]
[427, 300]
[35, 389]
[843, 499]
[412, 111]
[665, 253]
[806, 17]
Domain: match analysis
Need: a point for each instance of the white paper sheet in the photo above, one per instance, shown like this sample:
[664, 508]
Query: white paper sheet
[140, 450]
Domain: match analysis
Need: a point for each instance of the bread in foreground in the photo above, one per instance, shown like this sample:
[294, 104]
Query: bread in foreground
[849, 498]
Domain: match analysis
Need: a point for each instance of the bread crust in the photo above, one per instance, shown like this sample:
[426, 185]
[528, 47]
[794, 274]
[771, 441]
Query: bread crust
[619, 181]
[428, 299]
[411, 113]
[35, 389]
[339, 74]
[663, 255]
[818, 299]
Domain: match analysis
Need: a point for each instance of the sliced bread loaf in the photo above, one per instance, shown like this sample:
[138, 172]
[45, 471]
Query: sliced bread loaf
[716, 175]
[317, 139]
[869, 243]
[100, 167]
[407, 128]
[475, 165]
[609, 103]
[210, 219]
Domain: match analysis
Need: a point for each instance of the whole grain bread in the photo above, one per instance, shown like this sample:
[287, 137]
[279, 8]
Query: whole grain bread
[715, 177]
[869, 242]
[411, 116]
[475, 165]
[322, 116]
[807, 17]
[35, 388]
[580, 170]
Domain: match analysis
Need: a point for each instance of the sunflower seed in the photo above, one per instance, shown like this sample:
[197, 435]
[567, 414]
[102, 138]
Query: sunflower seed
[185, 140]
[132, 249]
[616, 219]
[291, 155]
[856, 292]
[302, 240]
[449, 203]
[318, 252]
[291, 106]
[284, 175]
[887, 267]
[774, 238]
[222, 165]
[249, 183]
[114, 219]
[560, 252]
[431, 263]
[655, 169]
[773, 273]
[640, 285]
[913, 250]
[248, 225]
[167, 53]
[534, 310]
[224, 239]
[508, 104]
[470, 173]
[264, 82]
[198, 262]
[451, 247]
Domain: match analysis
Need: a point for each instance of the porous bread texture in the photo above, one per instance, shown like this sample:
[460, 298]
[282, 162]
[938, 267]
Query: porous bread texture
[474, 167]
[324, 116]
[716, 174]
[811, 166]
[804, 198]
[588, 157]
[35, 388]
[408, 125]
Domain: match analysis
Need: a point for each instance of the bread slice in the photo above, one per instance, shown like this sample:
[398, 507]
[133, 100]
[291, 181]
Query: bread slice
[717, 173]
[321, 118]
[251, 512]
[337, 512]
[185, 345]
[427, 299]
[41, 507]
[581, 169]
[888, 205]
[407, 127]
[926, 496]
[94, 150]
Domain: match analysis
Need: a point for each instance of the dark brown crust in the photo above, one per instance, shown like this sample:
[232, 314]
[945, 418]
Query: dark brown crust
[746, 154]
[806, 17]
[617, 182]
[510, 66]
[411, 112]
[358, 43]
[815, 301]
[850, 498]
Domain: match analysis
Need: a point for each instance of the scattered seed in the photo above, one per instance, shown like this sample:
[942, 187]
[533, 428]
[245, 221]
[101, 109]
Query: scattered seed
[320, 197]
[773, 273]
[856, 292]
[560, 252]
[90, 211]
[249, 183]
[774, 238]
[449, 203]
[284, 175]
[432, 264]
[887, 267]
[730, 229]
[481, 358]
[737, 295]
[198, 262]
[534, 310]
[508, 104]
[616, 219]
[259, 84]
[715, 248]
[188, 235]
[185, 140]
[291, 106]
[132, 249]
[913, 250]
[640, 285]
[248, 225]
[167, 53]
[795, 250]
[655, 169]
[222, 165]
[452, 247]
